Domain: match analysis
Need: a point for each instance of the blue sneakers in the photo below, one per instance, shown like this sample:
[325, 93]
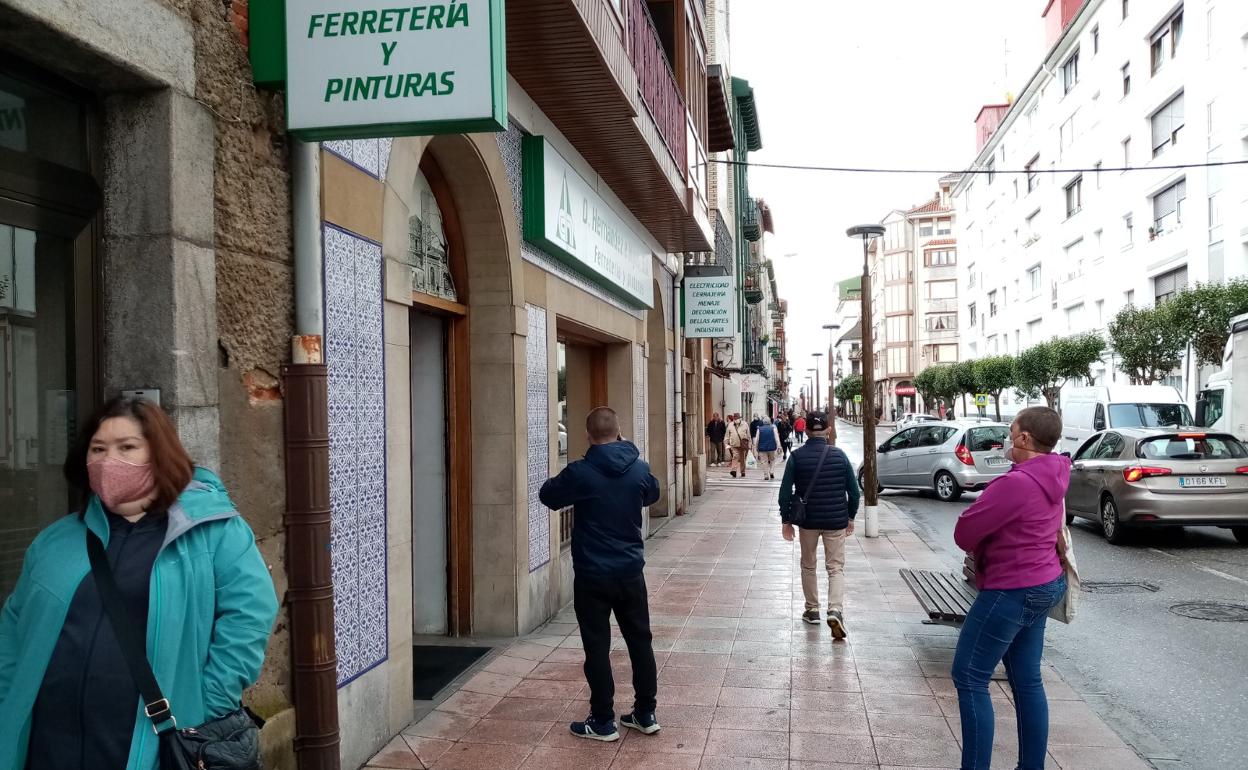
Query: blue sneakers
[596, 729]
[645, 723]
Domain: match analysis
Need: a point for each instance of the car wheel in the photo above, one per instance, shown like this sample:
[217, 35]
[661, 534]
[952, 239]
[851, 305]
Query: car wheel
[1111, 527]
[862, 481]
[947, 488]
[1241, 534]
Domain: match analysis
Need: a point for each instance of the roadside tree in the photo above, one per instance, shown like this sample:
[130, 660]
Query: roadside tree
[1203, 313]
[1148, 344]
[1044, 368]
[994, 375]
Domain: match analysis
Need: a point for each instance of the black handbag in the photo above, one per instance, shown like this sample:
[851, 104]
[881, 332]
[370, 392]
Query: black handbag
[231, 742]
[797, 506]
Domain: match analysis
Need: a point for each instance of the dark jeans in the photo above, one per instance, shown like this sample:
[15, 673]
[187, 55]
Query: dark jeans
[801, 436]
[595, 599]
[1005, 626]
[786, 445]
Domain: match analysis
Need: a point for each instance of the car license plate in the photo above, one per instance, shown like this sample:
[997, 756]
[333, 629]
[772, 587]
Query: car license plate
[1201, 481]
[995, 461]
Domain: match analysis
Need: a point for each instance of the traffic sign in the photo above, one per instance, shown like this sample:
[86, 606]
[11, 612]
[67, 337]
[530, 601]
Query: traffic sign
[981, 399]
[858, 399]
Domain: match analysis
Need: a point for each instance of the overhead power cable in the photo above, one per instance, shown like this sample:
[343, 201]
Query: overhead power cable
[976, 171]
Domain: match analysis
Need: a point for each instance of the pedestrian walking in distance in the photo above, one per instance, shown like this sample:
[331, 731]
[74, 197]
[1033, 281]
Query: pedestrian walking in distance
[156, 549]
[823, 478]
[739, 443]
[766, 443]
[785, 429]
[607, 490]
[716, 430]
[799, 429]
[1012, 531]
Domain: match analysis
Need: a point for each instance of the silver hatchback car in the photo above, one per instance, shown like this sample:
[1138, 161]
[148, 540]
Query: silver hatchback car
[948, 458]
[1160, 477]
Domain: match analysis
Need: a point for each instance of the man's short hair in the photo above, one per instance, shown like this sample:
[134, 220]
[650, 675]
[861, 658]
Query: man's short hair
[1044, 425]
[603, 424]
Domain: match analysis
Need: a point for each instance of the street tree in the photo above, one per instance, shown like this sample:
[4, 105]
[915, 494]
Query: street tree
[1203, 313]
[847, 388]
[994, 375]
[967, 379]
[1149, 344]
[1044, 368]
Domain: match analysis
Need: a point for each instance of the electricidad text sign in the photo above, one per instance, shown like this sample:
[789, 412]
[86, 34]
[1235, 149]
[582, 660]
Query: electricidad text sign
[366, 68]
[710, 306]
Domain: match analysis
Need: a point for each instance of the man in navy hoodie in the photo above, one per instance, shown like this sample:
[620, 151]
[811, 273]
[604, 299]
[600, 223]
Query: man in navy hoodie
[608, 489]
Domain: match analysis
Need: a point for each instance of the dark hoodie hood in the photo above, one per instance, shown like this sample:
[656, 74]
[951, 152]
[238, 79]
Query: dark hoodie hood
[613, 459]
[1051, 472]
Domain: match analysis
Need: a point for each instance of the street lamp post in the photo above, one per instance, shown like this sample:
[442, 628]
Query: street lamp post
[831, 355]
[815, 392]
[818, 392]
[870, 479]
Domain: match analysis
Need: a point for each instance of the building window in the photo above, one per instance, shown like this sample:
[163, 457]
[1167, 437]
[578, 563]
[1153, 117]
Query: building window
[926, 228]
[897, 328]
[899, 360]
[1070, 72]
[940, 258]
[991, 168]
[942, 289]
[1033, 177]
[1126, 78]
[1074, 318]
[1033, 332]
[1100, 313]
[943, 354]
[1033, 280]
[1125, 8]
[1074, 197]
[1213, 183]
[1074, 261]
[970, 277]
[1168, 209]
[1167, 122]
[1098, 174]
[974, 317]
[1130, 297]
[1168, 284]
[942, 322]
[1165, 42]
[944, 226]
[1126, 153]
[1211, 142]
[1066, 134]
[992, 304]
[1128, 230]
[1032, 235]
[1096, 39]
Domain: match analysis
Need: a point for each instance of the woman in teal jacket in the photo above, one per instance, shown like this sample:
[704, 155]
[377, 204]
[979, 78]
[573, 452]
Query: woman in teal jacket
[182, 557]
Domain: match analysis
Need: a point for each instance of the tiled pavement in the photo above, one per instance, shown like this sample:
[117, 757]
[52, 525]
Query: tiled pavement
[743, 684]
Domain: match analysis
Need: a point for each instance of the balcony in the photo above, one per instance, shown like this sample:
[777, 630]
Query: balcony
[599, 71]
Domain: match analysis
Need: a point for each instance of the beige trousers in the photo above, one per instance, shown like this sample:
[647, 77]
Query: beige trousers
[833, 556]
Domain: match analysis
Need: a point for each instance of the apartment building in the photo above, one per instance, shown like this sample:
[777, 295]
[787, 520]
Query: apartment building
[1150, 86]
[915, 294]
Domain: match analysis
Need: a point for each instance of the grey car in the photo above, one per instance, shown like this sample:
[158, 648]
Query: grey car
[1160, 477]
[948, 458]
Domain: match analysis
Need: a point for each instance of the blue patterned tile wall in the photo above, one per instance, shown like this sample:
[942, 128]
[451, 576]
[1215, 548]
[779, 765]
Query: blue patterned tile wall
[355, 355]
[538, 395]
[370, 155]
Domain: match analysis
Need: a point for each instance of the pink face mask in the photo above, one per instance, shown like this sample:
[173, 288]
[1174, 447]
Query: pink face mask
[118, 482]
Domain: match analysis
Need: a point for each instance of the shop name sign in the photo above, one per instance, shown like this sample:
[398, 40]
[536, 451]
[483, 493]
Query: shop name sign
[565, 216]
[364, 68]
[710, 304]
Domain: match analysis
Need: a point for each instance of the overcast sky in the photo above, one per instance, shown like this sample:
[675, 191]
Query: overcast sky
[882, 83]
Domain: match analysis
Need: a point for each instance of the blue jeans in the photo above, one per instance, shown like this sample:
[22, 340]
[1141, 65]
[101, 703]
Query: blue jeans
[1005, 626]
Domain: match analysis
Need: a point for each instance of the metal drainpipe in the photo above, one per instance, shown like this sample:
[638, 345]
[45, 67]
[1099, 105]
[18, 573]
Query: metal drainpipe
[678, 382]
[310, 595]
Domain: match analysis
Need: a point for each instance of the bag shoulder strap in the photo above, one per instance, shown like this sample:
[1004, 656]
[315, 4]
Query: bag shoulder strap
[818, 467]
[133, 647]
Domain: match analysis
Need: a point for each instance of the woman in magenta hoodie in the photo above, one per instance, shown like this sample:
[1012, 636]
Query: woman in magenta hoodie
[1012, 531]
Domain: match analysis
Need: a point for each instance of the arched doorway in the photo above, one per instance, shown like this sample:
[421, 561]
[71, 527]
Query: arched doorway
[462, 291]
[658, 382]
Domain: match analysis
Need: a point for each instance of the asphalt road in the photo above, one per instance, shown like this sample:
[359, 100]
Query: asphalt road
[1173, 687]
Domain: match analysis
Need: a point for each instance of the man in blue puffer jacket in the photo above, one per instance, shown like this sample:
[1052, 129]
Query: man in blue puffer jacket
[608, 489]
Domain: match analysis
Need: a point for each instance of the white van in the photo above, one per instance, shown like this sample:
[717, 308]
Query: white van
[1086, 411]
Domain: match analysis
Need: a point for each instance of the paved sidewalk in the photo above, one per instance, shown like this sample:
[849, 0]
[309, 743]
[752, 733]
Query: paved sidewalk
[743, 683]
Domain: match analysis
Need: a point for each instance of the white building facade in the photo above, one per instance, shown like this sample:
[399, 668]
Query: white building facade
[1058, 250]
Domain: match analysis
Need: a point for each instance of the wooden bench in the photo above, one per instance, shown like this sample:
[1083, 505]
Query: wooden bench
[946, 597]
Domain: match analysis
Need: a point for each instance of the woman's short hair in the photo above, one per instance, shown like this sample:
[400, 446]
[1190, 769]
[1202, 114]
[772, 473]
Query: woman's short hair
[1044, 425]
[172, 468]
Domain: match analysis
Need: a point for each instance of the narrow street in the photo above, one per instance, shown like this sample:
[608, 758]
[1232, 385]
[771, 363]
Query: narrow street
[1162, 681]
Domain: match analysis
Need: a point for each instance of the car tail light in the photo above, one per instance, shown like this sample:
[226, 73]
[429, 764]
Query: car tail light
[1242, 471]
[964, 455]
[1135, 474]
[1191, 435]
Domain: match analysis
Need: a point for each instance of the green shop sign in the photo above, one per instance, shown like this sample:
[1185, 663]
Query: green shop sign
[565, 215]
[356, 69]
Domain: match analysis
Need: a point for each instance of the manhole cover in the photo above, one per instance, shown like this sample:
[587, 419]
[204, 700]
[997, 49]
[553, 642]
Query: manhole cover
[1221, 612]
[1119, 587]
